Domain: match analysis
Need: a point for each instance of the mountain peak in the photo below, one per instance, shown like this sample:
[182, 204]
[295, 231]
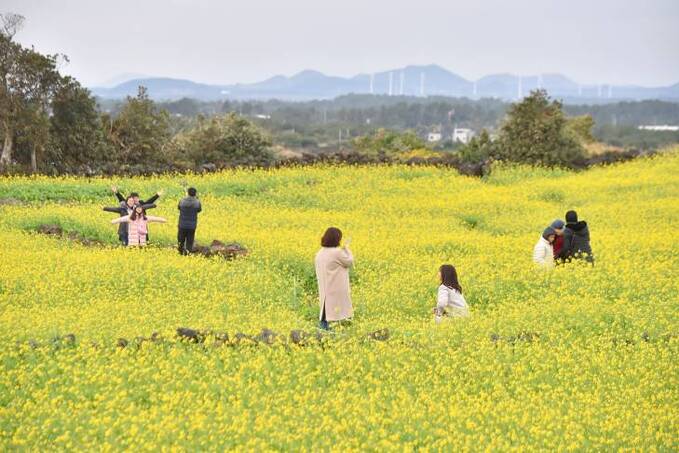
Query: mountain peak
[411, 80]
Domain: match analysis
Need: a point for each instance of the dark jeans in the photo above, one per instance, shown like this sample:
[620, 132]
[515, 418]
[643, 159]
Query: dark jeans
[123, 238]
[185, 238]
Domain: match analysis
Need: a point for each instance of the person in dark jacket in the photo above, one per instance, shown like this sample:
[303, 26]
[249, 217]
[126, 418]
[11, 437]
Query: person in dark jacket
[135, 196]
[576, 240]
[558, 226]
[125, 208]
[189, 207]
[135, 201]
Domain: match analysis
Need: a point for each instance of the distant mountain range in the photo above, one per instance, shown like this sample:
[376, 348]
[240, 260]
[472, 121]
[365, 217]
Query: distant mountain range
[431, 80]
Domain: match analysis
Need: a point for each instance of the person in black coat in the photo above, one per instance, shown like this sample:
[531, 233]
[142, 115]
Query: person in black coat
[576, 243]
[135, 196]
[189, 207]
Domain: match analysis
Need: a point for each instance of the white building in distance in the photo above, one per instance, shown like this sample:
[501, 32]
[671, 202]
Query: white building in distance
[663, 127]
[462, 135]
[434, 137]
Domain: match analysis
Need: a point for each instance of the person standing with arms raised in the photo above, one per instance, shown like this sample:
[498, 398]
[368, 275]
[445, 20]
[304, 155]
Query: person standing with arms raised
[189, 207]
[332, 271]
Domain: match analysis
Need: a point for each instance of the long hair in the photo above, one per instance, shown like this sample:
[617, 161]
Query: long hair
[449, 277]
[331, 238]
[133, 216]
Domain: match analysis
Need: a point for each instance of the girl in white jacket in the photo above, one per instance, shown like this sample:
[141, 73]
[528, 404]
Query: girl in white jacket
[450, 301]
[543, 253]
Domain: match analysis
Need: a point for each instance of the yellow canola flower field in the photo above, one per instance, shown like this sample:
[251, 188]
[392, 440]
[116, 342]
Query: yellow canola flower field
[579, 358]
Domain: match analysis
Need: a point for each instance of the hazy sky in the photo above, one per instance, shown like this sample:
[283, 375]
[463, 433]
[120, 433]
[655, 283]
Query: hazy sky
[591, 41]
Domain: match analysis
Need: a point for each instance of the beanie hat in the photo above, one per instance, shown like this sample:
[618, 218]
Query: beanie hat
[548, 232]
[571, 217]
[558, 224]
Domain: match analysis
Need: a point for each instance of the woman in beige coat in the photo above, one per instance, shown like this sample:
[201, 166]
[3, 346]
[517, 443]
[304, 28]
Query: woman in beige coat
[332, 271]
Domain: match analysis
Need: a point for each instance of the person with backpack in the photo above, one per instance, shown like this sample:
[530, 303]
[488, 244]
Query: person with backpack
[576, 242]
[449, 301]
[189, 207]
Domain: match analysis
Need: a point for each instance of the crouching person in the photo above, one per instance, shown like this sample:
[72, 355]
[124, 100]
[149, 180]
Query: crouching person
[543, 252]
[450, 302]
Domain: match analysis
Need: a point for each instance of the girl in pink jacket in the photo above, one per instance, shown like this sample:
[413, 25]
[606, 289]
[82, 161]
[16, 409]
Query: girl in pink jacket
[137, 226]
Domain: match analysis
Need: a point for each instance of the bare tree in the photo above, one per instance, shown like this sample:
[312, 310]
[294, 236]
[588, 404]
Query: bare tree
[10, 24]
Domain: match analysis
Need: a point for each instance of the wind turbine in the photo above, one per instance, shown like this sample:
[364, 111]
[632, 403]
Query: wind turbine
[520, 88]
[391, 83]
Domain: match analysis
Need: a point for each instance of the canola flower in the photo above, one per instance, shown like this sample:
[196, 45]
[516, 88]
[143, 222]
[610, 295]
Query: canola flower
[578, 358]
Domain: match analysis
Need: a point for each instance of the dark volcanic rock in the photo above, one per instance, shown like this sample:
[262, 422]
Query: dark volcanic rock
[55, 230]
[217, 248]
[190, 334]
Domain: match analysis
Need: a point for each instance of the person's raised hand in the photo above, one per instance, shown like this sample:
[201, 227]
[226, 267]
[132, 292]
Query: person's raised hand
[160, 192]
[114, 189]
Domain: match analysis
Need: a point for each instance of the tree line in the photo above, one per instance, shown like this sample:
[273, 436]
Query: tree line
[50, 123]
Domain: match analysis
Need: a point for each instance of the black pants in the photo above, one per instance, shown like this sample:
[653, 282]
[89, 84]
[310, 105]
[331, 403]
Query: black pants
[185, 238]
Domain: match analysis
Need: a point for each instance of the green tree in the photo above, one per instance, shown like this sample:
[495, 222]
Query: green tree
[535, 132]
[28, 79]
[388, 142]
[76, 133]
[229, 139]
[580, 127]
[141, 132]
[479, 148]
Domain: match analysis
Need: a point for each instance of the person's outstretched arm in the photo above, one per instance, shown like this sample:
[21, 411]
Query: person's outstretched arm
[151, 218]
[125, 218]
[200, 207]
[154, 198]
[148, 206]
[115, 209]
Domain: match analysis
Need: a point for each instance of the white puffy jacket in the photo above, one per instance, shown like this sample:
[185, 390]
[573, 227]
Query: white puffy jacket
[543, 253]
